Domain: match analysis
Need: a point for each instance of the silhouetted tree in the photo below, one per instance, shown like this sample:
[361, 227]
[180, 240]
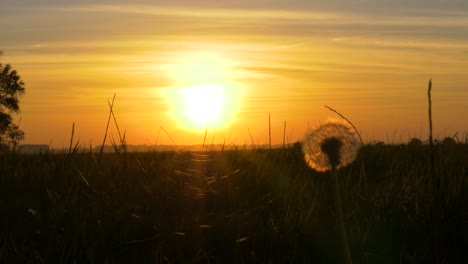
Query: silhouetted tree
[449, 141]
[15, 135]
[11, 87]
[379, 144]
[415, 142]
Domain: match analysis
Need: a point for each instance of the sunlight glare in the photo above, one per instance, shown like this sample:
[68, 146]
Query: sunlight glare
[204, 95]
[203, 104]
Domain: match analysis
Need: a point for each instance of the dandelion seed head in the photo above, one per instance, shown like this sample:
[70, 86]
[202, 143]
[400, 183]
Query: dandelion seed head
[331, 147]
[331, 144]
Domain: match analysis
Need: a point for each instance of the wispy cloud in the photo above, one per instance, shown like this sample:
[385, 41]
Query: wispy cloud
[456, 17]
[278, 47]
[199, 12]
[41, 45]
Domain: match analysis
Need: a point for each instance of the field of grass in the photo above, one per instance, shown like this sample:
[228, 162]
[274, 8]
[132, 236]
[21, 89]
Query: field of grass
[235, 206]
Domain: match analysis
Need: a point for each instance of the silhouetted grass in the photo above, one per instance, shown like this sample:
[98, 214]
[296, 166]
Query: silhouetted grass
[234, 206]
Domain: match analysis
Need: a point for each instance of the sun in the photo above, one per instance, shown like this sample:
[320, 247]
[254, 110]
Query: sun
[205, 94]
[203, 105]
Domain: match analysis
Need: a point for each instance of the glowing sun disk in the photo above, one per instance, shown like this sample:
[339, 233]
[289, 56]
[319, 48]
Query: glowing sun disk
[203, 104]
[204, 94]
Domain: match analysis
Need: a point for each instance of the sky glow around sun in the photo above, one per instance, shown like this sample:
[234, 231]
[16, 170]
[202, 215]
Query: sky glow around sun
[230, 65]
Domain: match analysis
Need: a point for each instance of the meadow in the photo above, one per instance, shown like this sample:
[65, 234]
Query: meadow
[239, 205]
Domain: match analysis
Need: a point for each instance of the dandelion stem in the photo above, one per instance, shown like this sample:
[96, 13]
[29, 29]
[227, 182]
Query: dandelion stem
[341, 225]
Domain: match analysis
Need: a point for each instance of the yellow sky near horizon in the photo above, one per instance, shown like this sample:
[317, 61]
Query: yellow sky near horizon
[374, 69]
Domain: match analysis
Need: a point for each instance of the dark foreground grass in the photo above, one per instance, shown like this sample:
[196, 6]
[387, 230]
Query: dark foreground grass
[238, 206]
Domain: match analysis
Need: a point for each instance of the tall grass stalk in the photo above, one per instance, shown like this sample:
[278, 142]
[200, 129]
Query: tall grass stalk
[71, 138]
[204, 138]
[251, 138]
[284, 134]
[213, 139]
[349, 122]
[164, 130]
[107, 129]
[122, 139]
[435, 179]
[73, 149]
[269, 129]
[157, 136]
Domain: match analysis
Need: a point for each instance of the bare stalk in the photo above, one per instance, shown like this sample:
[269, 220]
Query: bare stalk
[284, 134]
[204, 138]
[435, 179]
[251, 138]
[107, 128]
[224, 144]
[72, 149]
[71, 139]
[430, 112]
[168, 136]
[157, 136]
[116, 125]
[213, 139]
[269, 129]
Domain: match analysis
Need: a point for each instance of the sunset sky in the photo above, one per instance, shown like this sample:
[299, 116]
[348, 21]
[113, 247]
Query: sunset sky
[370, 60]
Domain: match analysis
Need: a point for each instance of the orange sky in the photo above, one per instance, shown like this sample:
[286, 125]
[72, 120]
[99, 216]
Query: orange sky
[371, 66]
